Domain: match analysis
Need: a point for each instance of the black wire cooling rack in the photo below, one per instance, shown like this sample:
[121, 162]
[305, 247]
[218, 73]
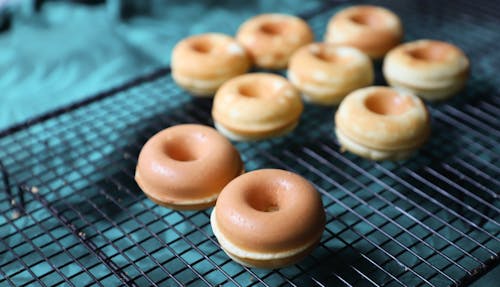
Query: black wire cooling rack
[71, 213]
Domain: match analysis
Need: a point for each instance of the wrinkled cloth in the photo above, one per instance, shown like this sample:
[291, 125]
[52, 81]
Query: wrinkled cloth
[66, 51]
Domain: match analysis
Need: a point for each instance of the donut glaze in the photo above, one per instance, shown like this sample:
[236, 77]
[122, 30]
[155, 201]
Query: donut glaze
[325, 73]
[201, 63]
[256, 106]
[372, 29]
[268, 218]
[381, 123]
[186, 166]
[434, 70]
[270, 39]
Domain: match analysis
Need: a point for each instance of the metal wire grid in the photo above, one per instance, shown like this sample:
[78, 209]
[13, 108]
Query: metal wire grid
[71, 213]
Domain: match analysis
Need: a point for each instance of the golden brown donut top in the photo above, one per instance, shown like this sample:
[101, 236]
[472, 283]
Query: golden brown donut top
[272, 38]
[330, 63]
[208, 56]
[257, 102]
[372, 29]
[270, 210]
[187, 162]
[427, 59]
[383, 118]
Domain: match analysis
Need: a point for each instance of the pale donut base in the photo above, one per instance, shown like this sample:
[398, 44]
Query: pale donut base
[439, 94]
[198, 204]
[371, 153]
[315, 94]
[199, 88]
[237, 137]
[319, 99]
[323, 94]
[257, 259]
[203, 204]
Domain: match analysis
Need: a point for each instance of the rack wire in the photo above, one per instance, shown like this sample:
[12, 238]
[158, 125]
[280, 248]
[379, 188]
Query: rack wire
[71, 213]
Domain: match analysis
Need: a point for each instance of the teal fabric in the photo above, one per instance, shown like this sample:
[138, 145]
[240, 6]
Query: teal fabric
[68, 51]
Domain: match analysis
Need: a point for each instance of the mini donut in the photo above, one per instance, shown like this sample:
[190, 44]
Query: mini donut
[270, 39]
[201, 63]
[268, 218]
[256, 106]
[325, 73]
[434, 70]
[185, 167]
[372, 29]
[382, 123]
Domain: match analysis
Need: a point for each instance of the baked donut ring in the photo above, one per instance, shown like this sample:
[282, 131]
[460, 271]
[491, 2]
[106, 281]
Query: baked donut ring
[381, 123]
[201, 63]
[270, 39]
[185, 167]
[434, 70]
[325, 73]
[372, 29]
[256, 106]
[268, 218]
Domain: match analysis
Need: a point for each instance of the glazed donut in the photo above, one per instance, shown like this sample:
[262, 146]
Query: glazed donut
[270, 39]
[185, 167]
[372, 29]
[256, 106]
[326, 73]
[381, 123]
[201, 63]
[434, 70]
[268, 218]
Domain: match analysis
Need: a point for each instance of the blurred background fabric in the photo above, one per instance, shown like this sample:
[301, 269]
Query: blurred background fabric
[53, 53]
[56, 52]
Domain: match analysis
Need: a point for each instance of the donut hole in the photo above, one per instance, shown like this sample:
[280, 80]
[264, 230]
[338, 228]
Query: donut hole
[272, 28]
[332, 56]
[325, 56]
[430, 53]
[387, 102]
[202, 47]
[368, 17]
[248, 91]
[183, 149]
[263, 200]
[256, 90]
